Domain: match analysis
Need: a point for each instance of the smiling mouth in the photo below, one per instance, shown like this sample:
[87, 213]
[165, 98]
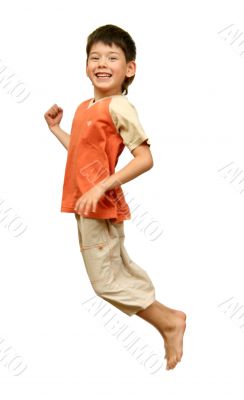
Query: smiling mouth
[103, 76]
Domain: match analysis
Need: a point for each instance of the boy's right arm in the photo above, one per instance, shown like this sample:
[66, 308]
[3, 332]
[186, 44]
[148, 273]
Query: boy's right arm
[53, 117]
[62, 136]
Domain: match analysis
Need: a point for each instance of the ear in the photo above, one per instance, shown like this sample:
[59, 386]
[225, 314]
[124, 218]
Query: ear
[131, 68]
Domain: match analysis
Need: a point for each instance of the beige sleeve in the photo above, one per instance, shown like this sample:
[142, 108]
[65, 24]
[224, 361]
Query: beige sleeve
[125, 118]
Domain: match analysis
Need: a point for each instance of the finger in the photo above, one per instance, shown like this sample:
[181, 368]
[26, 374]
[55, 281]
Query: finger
[77, 205]
[54, 110]
[87, 207]
[94, 207]
[52, 114]
[82, 207]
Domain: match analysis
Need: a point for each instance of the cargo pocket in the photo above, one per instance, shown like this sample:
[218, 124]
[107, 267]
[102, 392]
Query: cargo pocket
[95, 250]
[92, 232]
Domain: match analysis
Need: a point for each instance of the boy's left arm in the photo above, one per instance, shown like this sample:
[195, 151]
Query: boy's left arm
[141, 163]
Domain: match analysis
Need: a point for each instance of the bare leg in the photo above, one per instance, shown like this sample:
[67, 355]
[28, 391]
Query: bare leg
[171, 325]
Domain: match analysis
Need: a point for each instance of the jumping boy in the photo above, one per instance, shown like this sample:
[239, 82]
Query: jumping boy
[101, 128]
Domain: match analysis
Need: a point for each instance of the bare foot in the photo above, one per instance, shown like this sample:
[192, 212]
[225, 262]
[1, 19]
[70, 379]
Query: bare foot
[180, 314]
[171, 324]
[173, 338]
[177, 313]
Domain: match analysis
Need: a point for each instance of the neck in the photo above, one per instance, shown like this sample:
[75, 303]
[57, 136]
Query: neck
[98, 96]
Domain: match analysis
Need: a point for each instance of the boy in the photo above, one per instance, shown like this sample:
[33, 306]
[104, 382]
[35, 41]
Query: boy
[101, 128]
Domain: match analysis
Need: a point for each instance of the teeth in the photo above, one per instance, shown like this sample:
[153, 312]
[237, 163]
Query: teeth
[103, 75]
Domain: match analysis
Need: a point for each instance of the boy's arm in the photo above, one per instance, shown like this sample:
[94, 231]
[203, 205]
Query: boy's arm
[141, 163]
[53, 117]
[61, 135]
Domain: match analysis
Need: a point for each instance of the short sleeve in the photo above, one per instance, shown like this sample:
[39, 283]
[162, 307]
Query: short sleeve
[126, 120]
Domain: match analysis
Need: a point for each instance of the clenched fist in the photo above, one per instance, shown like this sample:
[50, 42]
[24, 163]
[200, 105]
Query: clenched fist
[54, 115]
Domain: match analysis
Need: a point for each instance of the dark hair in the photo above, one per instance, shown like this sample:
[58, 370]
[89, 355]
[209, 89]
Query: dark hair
[112, 34]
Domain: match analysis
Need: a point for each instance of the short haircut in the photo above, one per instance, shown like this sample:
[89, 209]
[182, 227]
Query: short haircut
[112, 34]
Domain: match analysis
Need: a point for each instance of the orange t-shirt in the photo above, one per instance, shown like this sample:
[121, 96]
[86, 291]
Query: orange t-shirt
[99, 133]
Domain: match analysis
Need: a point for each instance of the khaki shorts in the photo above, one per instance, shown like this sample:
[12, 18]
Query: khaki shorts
[113, 275]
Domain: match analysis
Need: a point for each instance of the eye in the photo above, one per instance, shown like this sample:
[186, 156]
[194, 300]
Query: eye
[93, 58]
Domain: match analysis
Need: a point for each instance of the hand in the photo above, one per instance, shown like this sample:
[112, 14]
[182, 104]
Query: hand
[53, 116]
[88, 201]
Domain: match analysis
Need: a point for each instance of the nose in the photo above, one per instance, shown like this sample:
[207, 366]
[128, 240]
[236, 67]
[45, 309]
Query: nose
[102, 61]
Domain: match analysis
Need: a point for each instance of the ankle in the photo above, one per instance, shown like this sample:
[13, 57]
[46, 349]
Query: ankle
[170, 320]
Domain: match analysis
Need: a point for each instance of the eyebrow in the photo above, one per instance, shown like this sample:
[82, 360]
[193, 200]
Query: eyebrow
[97, 52]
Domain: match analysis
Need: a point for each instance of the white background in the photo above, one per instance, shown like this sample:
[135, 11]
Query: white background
[188, 92]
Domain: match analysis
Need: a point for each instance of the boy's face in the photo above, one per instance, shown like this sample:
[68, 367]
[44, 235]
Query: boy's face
[110, 60]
